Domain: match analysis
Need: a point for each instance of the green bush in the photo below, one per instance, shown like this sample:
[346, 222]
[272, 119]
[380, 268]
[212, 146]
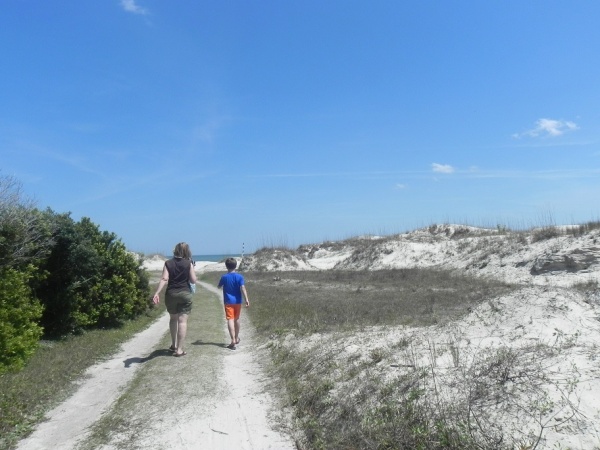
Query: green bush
[93, 281]
[19, 315]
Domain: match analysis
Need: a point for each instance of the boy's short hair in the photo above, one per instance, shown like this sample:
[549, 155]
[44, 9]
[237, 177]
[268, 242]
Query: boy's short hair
[231, 263]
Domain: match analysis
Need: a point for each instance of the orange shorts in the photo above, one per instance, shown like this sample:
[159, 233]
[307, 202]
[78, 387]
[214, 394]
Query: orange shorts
[232, 311]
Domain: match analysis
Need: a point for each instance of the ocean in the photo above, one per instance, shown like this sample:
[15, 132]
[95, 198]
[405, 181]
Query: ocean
[214, 258]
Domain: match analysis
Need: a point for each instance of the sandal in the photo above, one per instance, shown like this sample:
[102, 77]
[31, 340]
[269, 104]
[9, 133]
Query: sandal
[231, 346]
[180, 354]
[172, 349]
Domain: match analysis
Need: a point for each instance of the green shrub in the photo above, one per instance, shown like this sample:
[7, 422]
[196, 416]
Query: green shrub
[93, 281]
[19, 315]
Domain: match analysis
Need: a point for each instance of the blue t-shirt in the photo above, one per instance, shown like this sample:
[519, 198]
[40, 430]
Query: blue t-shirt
[232, 283]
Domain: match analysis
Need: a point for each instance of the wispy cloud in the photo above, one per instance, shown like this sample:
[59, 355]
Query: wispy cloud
[442, 168]
[471, 173]
[556, 174]
[324, 175]
[208, 131]
[548, 128]
[132, 7]
[73, 160]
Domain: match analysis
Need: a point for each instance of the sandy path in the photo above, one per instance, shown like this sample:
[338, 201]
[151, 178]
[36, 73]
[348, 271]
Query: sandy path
[212, 398]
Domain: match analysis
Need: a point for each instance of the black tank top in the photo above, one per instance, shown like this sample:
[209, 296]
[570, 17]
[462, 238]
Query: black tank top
[179, 274]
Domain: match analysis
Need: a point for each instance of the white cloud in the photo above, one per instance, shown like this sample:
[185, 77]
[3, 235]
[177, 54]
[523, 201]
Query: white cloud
[442, 168]
[130, 6]
[206, 132]
[400, 186]
[549, 128]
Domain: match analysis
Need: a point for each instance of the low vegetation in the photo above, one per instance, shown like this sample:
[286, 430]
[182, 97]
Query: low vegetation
[324, 301]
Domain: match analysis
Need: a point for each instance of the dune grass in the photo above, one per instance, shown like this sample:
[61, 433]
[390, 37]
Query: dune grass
[49, 376]
[325, 301]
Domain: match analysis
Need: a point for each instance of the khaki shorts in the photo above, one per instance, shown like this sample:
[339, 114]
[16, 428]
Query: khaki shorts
[179, 302]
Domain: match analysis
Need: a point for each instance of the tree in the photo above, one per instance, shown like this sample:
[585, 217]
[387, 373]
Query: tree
[25, 234]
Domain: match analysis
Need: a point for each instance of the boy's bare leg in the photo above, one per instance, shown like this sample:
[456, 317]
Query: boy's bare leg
[237, 331]
[231, 328]
[173, 325]
[181, 331]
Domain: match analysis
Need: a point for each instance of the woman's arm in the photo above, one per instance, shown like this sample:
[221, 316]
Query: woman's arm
[193, 278]
[163, 280]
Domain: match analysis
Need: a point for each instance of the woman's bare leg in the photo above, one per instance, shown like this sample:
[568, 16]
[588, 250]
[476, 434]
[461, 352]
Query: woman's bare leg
[181, 331]
[173, 326]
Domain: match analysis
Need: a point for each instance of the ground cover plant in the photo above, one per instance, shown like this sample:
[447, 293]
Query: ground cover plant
[337, 300]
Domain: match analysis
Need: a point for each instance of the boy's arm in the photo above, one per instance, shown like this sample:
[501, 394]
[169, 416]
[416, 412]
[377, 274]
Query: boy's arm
[245, 294]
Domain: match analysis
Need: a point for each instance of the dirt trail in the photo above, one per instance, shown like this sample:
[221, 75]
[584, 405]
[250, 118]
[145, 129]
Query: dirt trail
[143, 398]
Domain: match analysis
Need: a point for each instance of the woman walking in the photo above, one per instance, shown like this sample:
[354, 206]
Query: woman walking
[178, 273]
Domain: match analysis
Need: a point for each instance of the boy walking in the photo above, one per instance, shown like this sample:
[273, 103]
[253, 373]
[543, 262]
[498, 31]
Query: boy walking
[233, 287]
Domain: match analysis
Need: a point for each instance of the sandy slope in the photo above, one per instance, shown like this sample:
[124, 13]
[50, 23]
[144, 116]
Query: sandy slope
[525, 365]
[213, 398]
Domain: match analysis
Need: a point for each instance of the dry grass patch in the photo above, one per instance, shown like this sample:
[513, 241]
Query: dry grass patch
[335, 300]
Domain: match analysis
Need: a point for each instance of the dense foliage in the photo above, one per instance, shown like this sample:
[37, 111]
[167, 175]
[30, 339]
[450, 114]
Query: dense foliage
[59, 276]
[93, 281]
[20, 312]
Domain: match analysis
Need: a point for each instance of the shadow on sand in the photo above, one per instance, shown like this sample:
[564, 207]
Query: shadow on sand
[216, 344]
[137, 360]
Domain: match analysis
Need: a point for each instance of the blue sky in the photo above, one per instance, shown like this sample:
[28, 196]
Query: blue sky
[230, 123]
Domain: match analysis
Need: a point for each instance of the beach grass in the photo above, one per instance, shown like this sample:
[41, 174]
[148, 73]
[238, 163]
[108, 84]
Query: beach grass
[49, 377]
[307, 302]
